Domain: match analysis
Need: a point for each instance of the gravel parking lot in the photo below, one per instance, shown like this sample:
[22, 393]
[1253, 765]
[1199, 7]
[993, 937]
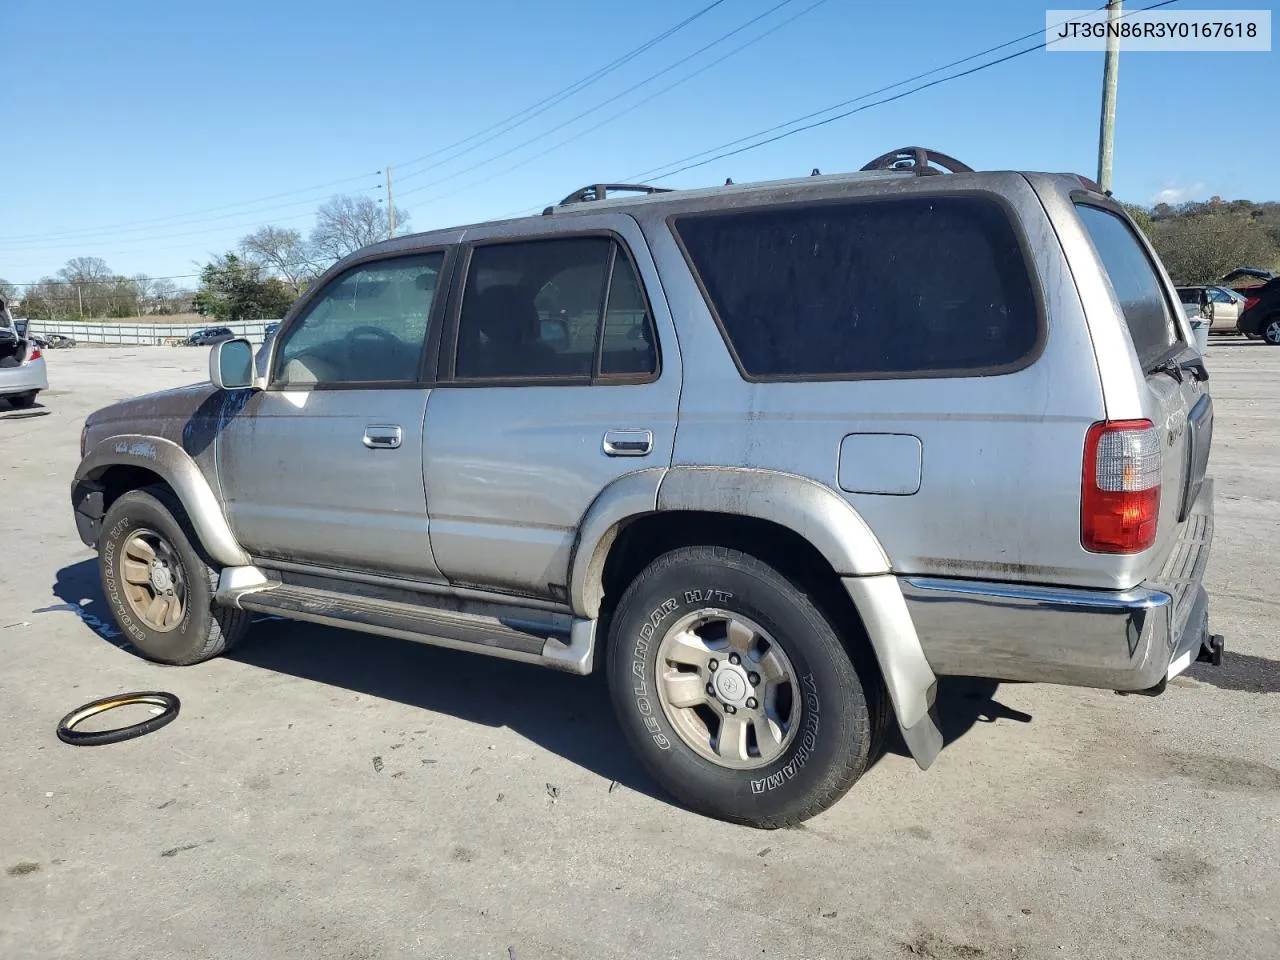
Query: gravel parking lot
[333, 794]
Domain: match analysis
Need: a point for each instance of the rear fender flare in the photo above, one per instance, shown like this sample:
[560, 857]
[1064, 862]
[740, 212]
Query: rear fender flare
[815, 512]
[176, 467]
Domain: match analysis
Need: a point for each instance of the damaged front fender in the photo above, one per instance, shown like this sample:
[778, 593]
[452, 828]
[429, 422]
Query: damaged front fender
[175, 467]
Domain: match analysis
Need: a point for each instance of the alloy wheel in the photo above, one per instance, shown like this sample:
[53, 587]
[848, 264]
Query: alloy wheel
[728, 689]
[154, 581]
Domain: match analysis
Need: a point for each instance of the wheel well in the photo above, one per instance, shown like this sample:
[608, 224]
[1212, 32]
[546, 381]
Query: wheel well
[646, 538]
[120, 479]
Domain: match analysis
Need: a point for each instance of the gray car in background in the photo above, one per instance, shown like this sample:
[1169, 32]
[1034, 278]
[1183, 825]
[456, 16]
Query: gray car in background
[22, 370]
[773, 457]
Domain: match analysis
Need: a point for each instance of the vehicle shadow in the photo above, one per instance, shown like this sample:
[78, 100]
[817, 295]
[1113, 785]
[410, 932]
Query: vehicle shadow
[10, 412]
[961, 703]
[568, 715]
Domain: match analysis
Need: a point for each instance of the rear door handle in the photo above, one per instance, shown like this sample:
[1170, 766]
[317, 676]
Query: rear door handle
[382, 436]
[628, 443]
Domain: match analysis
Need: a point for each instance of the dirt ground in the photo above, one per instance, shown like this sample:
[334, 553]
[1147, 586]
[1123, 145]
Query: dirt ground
[327, 794]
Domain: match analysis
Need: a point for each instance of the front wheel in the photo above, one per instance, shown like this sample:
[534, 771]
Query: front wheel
[736, 691]
[159, 587]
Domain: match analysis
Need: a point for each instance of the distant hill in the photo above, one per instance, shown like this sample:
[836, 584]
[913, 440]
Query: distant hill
[1200, 242]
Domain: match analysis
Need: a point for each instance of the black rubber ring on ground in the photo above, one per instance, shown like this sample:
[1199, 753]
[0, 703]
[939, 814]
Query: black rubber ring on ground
[98, 738]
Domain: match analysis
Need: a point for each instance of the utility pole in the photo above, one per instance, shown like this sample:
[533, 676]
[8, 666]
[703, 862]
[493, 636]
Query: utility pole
[391, 206]
[1110, 76]
[81, 300]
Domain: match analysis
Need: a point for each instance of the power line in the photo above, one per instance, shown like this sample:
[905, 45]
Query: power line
[589, 110]
[639, 103]
[105, 280]
[521, 116]
[545, 104]
[681, 166]
[72, 234]
[147, 236]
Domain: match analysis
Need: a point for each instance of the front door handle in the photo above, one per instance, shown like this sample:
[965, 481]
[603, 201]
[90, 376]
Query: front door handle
[382, 436]
[628, 443]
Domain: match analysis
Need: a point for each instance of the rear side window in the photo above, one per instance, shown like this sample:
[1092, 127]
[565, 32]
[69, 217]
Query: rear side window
[913, 286]
[1135, 282]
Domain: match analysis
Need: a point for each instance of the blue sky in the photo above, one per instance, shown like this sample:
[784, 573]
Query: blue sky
[179, 113]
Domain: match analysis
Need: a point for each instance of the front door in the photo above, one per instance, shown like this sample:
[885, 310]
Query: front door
[324, 466]
[560, 375]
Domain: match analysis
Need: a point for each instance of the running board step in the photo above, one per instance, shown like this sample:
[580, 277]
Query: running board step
[558, 641]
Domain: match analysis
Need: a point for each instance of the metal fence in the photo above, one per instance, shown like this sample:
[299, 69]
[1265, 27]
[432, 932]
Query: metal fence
[151, 334]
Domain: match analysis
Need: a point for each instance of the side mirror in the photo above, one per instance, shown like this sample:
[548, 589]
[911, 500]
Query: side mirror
[231, 364]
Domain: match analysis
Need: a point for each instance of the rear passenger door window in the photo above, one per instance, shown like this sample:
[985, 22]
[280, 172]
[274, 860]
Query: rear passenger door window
[553, 311]
[368, 326]
[907, 287]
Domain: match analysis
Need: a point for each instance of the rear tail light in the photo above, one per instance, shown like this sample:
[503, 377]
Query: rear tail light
[35, 353]
[1251, 303]
[1120, 495]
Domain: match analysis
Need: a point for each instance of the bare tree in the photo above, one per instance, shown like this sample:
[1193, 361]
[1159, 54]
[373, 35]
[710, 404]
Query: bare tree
[141, 285]
[346, 223]
[283, 253]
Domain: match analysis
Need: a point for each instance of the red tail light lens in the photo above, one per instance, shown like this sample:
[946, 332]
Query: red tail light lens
[35, 353]
[1251, 303]
[1120, 493]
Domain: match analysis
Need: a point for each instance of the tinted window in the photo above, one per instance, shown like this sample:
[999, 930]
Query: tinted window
[535, 309]
[368, 326]
[628, 346]
[1135, 282]
[922, 286]
[1188, 295]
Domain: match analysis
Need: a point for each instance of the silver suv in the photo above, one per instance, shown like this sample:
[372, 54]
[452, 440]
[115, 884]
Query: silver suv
[773, 457]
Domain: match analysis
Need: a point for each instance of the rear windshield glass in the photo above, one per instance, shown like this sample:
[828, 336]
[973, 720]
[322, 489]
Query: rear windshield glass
[913, 286]
[1135, 282]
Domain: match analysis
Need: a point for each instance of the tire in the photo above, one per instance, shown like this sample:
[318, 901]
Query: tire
[1270, 330]
[197, 629]
[20, 401]
[830, 710]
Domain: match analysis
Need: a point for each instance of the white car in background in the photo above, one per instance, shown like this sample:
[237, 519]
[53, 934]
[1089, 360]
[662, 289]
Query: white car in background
[22, 373]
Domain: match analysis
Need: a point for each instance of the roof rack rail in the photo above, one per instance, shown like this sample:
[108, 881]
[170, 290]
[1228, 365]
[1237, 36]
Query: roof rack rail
[598, 191]
[917, 160]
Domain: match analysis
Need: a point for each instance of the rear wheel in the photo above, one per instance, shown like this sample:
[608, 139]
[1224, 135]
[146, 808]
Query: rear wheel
[20, 401]
[1271, 330]
[736, 691]
[158, 585]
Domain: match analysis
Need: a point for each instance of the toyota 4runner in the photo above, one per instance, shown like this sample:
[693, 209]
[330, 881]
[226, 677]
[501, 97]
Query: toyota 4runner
[774, 457]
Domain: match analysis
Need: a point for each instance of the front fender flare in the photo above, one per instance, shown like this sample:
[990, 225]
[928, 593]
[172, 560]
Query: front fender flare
[175, 466]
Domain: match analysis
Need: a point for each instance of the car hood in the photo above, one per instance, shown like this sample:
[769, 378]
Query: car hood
[179, 402]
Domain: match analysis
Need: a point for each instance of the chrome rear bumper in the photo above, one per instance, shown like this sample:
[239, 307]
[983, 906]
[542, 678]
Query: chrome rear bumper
[1118, 640]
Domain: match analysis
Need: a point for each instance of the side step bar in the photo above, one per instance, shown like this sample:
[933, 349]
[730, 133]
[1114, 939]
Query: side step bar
[551, 640]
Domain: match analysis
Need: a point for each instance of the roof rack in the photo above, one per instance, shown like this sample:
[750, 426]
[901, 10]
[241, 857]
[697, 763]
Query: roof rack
[598, 191]
[918, 160]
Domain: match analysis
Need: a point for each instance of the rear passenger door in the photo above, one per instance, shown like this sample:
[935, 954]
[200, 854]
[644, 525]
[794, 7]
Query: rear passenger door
[558, 374]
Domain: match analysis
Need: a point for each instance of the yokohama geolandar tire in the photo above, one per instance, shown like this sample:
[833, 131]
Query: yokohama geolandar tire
[159, 585]
[736, 691]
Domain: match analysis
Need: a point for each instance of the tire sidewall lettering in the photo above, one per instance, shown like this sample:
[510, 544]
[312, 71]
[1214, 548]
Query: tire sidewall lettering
[643, 676]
